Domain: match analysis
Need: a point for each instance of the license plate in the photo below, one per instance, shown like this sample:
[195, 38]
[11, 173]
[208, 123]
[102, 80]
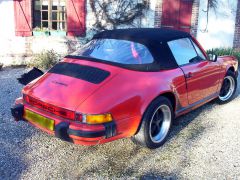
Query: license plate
[39, 120]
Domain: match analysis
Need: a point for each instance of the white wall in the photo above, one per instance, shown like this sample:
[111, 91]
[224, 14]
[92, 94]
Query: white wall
[7, 32]
[7, 25]
[6, 18]
[221, 25]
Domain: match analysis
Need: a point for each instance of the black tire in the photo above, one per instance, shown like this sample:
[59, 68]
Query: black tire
[231, 79]
[160, 108]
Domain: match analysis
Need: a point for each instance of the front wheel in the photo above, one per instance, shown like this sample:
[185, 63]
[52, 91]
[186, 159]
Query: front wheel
[228, 88]
[156, 123]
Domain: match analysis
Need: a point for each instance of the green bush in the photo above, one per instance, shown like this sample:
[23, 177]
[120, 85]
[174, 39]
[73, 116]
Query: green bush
[44, 60]
[226, 51]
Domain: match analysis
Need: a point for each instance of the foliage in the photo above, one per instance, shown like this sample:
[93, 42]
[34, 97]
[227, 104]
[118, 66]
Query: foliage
[110, 14]
[44, 60]
[1, 65]
[225, 51]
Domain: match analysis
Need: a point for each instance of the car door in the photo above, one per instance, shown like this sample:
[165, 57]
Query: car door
[202, 76]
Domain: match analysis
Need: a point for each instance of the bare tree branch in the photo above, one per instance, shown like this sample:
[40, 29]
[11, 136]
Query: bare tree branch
[211, 4]
[110, 14]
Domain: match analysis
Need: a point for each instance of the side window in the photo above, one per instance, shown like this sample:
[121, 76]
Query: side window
[183, 51]
[199, 52]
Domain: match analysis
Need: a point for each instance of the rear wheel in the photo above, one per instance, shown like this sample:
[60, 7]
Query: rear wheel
[228, 88]
[156, 124]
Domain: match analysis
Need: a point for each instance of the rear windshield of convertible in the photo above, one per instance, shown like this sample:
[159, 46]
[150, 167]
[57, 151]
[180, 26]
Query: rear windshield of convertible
[116, 51]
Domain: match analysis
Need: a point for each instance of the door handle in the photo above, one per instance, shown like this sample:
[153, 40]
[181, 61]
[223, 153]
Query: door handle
[189, 75]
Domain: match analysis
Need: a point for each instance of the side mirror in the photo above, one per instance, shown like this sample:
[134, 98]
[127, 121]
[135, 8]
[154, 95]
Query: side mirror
[212, 57]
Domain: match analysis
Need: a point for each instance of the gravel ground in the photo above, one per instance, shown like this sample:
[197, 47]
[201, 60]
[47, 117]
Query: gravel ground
[203, 144]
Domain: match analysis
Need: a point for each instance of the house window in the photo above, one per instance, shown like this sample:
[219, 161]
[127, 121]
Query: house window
[49, 14]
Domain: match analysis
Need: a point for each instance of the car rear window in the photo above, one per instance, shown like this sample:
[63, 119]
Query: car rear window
[117, 51]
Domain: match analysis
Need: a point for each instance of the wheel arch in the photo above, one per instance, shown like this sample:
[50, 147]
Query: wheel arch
[169, 95]
[231, 68]
[230, 71]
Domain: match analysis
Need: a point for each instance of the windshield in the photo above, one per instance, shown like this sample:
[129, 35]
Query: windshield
[116, 51]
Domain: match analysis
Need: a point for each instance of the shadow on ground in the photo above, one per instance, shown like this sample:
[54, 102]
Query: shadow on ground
[12, 148]
[12, 136]
[152, 176]
[123, 160]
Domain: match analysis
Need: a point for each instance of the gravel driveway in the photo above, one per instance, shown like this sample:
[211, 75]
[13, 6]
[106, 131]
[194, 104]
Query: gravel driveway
[204, 144]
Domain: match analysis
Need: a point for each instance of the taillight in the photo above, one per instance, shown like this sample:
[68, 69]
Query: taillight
[94, 118]
[68, 114]
[98, 118]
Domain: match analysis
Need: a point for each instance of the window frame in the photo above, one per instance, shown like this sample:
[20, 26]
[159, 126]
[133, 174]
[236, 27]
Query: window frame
[196, 44]
[189, 63]
[50, 18]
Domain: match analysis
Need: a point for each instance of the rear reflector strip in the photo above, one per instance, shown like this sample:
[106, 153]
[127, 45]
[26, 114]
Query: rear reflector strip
[86, 73]
[49, 108]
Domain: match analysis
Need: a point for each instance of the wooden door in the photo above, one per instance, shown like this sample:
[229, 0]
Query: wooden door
[177, 14]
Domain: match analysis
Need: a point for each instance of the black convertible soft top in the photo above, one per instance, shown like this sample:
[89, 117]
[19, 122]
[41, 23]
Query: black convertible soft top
[155, 39]
[143, 35]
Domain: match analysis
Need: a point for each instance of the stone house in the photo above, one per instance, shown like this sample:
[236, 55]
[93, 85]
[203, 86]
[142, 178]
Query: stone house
[30, 26]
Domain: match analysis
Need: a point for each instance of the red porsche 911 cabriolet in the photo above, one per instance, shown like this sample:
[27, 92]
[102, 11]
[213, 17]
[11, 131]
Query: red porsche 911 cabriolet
[126, 83]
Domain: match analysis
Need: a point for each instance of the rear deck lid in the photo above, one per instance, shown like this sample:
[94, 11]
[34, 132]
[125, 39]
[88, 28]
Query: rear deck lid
[69, 83]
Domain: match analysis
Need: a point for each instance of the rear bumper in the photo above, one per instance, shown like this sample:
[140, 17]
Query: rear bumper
[84, 134]
[77, 133]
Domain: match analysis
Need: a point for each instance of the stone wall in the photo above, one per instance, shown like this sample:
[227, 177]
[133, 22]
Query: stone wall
[195, 15]
[158, 14]
[18, 50]
[236, 41]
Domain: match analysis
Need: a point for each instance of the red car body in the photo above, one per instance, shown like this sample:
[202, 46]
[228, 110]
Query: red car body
[125, 93]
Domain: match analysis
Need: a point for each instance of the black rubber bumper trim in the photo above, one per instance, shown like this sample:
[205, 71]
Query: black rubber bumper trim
[110, 131]
[17, 112]
[61, 131]
[86, 134]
